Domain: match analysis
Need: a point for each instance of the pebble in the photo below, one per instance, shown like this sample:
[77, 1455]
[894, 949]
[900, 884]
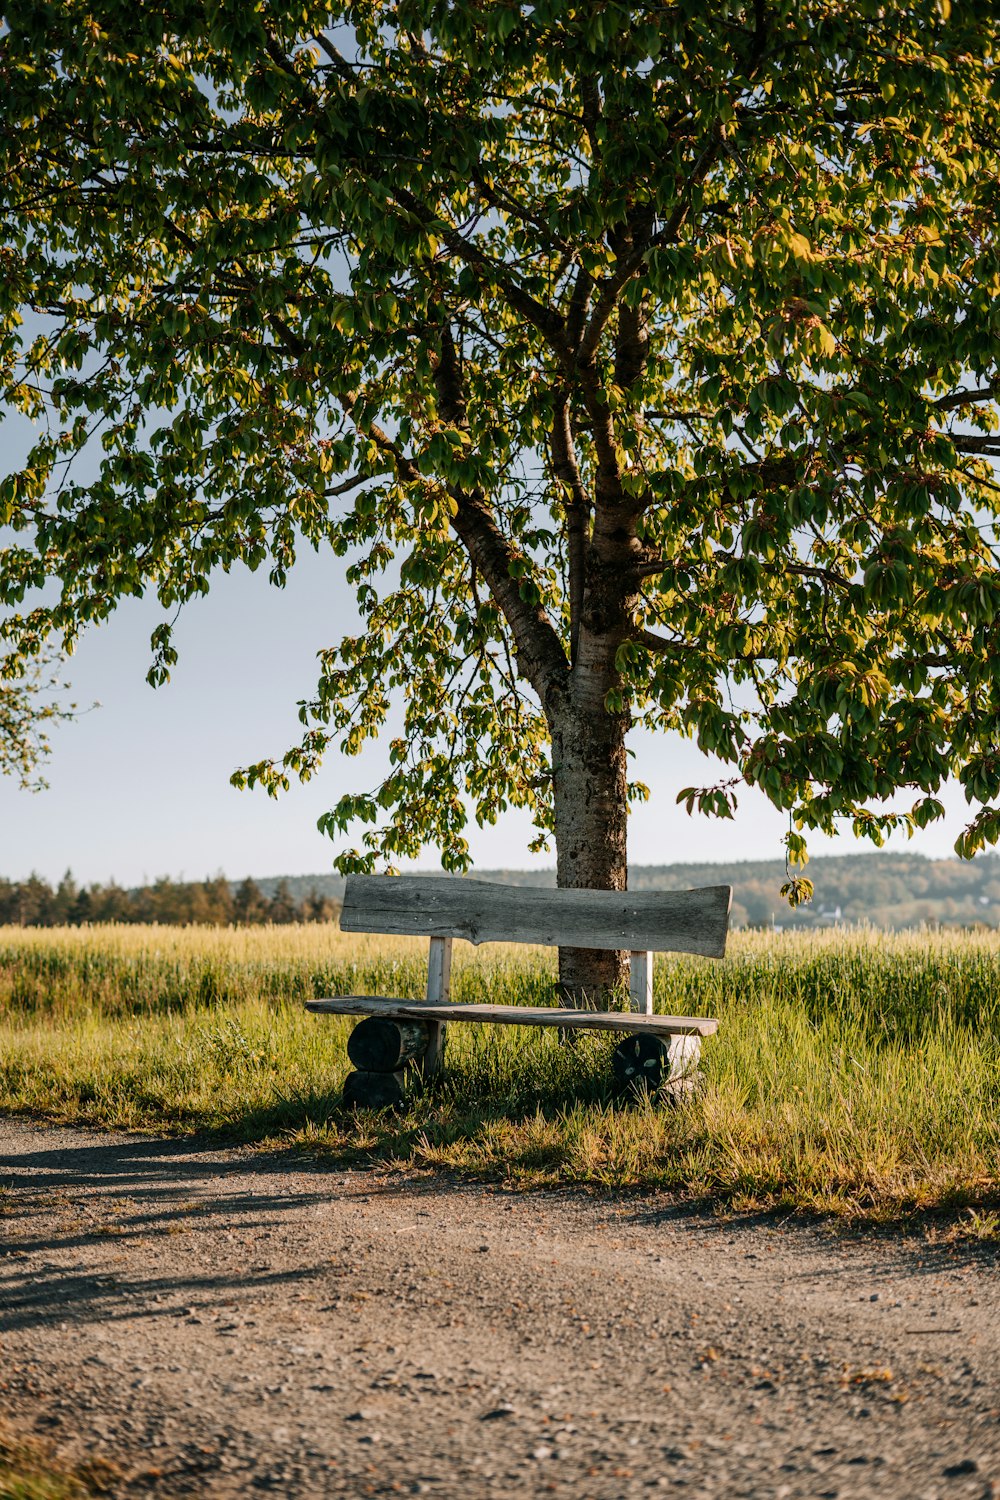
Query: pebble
[964, 1466]
[503, 1410]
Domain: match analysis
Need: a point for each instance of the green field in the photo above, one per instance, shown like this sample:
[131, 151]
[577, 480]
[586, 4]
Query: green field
[852, 1073]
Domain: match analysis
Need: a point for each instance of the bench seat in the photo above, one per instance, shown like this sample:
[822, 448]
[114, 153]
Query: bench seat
[516, 1015]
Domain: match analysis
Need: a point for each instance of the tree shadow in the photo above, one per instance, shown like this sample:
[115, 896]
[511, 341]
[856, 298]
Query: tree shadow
[79, 1199]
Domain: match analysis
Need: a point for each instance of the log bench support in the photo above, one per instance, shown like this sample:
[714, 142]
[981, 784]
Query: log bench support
[656, 1053]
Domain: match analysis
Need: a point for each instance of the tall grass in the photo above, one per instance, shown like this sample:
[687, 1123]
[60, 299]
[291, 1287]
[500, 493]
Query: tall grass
[852, 1072]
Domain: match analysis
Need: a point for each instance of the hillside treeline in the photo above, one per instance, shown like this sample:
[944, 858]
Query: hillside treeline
[887, 889]
[890, 890]
[206, 903]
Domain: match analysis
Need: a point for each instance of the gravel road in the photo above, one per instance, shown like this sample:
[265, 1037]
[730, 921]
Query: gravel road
[221, 1323]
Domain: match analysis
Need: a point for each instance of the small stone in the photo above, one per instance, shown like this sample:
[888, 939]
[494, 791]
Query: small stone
[541, 1452]
[503, 1410]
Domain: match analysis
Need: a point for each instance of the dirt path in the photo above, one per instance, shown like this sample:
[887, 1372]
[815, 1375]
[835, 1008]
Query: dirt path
[221, 1323]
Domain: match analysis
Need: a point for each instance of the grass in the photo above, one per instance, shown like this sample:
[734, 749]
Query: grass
[28, 1472]
[853, 1073]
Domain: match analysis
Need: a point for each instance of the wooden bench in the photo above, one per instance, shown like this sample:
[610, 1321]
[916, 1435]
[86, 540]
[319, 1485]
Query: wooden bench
[399, 1034]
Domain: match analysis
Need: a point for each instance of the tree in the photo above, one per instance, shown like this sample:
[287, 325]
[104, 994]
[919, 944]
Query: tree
[249, 904]
[319, 908]
[638, 362]
[30, 701]
[66, 900]
[282, 907]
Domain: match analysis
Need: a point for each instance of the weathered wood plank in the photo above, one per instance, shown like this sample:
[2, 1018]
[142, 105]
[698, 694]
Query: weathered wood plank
[438, 993]
[482, 912]
[515, 1015]
[640, 983]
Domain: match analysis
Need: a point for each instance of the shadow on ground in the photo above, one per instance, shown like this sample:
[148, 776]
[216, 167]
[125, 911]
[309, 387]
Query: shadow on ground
[141, 1190]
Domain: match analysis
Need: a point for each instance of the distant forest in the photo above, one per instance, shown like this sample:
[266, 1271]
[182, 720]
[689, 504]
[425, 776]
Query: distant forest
[888, 890]
[206, 903]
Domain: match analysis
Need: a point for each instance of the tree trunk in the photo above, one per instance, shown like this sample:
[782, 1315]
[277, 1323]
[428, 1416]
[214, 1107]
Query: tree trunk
[589, 784]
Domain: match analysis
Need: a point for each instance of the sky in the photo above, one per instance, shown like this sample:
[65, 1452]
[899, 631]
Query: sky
[139, 787]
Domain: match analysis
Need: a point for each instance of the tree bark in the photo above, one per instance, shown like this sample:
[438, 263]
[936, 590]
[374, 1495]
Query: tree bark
[591, 810]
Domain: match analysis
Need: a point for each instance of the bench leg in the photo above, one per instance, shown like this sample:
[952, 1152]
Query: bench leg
[438, 993]
[685, 1077]
[640, 983]
[685, 1054]
[666, 1069]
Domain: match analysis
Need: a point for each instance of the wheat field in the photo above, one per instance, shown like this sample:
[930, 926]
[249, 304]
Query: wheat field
[854, 1072]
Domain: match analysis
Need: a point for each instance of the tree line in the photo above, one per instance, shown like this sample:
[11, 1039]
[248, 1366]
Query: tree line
[893, 890]
[217, 902]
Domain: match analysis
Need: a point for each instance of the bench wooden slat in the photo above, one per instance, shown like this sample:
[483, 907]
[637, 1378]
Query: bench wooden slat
[482, 912]
[516, 1015]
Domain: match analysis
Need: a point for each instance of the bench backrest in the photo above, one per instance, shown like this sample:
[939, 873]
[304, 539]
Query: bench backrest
[484, 912]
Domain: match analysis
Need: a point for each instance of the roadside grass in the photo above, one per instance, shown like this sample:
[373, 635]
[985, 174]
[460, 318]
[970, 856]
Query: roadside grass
[854, 1073]
[28, 1472]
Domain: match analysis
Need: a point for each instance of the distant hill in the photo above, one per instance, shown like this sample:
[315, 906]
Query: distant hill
[889, 890]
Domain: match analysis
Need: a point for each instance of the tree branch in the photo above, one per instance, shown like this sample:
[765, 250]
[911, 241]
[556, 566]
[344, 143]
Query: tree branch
[987, 447]
[500, 200]
[965, 398]
[539, 651]
[640, 245]
[340, 63]
[549, 324]
[567, 471]
[664, 647]
[579, 306]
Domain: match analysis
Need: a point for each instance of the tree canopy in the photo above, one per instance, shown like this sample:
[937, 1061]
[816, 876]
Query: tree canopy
[638, 361]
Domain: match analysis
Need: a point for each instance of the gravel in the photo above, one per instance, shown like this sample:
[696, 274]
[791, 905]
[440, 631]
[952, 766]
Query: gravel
[219, 1322]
